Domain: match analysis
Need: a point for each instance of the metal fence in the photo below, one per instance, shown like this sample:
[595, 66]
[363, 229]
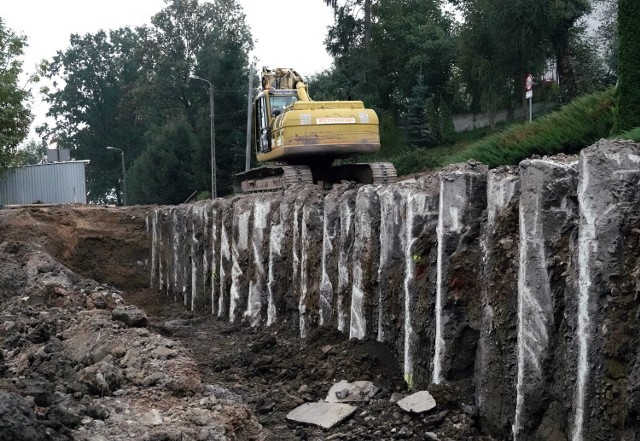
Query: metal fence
[53, 183]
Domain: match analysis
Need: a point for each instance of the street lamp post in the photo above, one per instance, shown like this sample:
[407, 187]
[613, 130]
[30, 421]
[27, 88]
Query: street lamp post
[124, 179]
[213, 135]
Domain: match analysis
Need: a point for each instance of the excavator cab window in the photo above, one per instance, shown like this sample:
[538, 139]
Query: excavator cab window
[280, 102]
[262, 141]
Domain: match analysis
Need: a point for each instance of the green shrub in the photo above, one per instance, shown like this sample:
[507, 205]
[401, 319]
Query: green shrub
[575, 126]
[633, 134]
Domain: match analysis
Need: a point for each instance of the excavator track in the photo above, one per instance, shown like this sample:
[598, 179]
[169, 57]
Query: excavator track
[371, 173]
[281, 177]
[272, 178]
[383, 173]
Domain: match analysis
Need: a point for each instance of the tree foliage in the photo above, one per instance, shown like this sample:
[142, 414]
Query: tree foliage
[15, 114]
[31, 153]
[171, 154]
[380, 47]
[628, 91]
[123, 87]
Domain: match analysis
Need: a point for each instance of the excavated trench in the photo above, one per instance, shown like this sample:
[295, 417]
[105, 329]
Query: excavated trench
[522, 281]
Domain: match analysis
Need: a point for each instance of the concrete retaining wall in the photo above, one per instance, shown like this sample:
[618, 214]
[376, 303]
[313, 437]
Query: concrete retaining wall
[520, 281]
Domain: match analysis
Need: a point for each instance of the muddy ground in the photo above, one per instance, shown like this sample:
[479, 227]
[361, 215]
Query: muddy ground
[85, 375]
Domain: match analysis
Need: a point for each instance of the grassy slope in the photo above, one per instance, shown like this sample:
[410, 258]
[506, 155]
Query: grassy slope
[573, 127]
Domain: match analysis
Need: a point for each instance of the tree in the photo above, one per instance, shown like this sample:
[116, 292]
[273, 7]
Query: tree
[164, 173]
[15, 114]
[563, 16]
[628, 91]
[504, 40]
[378, 51]
[608, 36]
[91, 111]
[31, 153]
[416, 116]
[123, 86]
[587, 66]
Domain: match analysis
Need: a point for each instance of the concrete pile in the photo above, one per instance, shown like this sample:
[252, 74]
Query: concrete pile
[521, 280]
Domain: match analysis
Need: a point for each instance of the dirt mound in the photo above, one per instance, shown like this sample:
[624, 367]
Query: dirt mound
[108, 245]
[72, 368]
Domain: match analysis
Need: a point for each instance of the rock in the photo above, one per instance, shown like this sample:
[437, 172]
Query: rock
[344, 391]
[417, 403]
[431, 436]
[325, 415]
[395, 397]
[302, 389]
[17, 420]
[163, 352]
[63, 415]
[130, 316]
[185, 385]
[470, 410]
[199, 417]
[435, 419]
[97, 412]
[326, 348]
[151, 418]
[266, 407]
[152, 379]
[102, 378]
[403, 433]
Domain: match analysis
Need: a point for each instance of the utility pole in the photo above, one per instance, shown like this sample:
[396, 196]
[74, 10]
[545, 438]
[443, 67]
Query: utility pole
[124, 172]
[214, 193]
[247, 164]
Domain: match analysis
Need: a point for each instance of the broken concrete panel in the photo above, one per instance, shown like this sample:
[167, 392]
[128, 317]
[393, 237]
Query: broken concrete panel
[174, 268]
[280, 243]
[311, 230]
[207, 294]
[458, 301]
[330, 255]
[177, 228]
[325, 415]
[345, 258]
[496, 366]
[420, 251]
[346, 392]
[548, 216]
[216, 209]
[185, 254]
[197, 254]
[418, 402]
[240, 255]
[226, 258]
[607, 395]
[366, 248]
[153, 235]
[258, 265]
[391, 266]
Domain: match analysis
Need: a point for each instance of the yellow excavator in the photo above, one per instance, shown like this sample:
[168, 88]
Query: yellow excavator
[302, 138]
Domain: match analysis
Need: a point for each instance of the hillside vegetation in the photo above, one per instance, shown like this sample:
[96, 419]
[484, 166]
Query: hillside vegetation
[568, 130]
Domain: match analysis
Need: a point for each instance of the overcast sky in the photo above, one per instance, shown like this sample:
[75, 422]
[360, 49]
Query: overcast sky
[48, 24]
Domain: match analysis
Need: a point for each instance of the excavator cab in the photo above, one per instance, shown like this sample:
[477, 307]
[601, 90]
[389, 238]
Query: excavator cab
[268, 105]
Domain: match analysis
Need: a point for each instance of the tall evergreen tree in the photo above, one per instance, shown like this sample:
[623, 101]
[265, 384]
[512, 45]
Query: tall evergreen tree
[163, 174]
[628, 92]
[416, 116]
